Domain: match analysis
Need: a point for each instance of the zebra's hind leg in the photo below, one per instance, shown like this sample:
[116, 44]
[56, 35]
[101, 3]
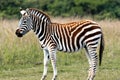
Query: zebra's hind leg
[92, 58]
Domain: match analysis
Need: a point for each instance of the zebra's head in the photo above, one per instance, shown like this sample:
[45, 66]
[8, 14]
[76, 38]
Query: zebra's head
[25, 24]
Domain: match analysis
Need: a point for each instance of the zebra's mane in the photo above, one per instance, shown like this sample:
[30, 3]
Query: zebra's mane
[37, 13]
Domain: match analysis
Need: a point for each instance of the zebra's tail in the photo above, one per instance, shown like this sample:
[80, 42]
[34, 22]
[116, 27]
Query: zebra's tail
[101, 49]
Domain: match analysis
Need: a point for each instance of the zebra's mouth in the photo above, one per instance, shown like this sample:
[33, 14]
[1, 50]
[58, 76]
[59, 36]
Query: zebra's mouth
[18, 33]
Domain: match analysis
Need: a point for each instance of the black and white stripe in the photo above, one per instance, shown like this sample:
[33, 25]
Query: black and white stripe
[68, 37]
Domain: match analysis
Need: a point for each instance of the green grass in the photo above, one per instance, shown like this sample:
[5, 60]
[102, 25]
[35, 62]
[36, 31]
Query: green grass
[74, 71]
[22, 58]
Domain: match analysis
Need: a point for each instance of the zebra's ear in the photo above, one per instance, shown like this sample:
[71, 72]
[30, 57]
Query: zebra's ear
[23, 12]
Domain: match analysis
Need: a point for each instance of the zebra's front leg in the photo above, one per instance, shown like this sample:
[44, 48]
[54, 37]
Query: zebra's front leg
[53, 61]
[46, 59]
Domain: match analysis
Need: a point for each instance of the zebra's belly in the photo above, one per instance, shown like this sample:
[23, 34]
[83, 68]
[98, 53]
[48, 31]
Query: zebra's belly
[66, 48]
[68, 45]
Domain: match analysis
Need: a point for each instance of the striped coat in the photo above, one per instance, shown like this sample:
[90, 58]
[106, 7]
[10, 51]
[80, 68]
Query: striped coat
[69, 37]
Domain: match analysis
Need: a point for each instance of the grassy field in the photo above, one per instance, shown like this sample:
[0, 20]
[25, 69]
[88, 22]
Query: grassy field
[22, 58]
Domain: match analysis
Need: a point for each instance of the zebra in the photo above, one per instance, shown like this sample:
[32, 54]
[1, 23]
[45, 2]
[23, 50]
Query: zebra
[69, 37]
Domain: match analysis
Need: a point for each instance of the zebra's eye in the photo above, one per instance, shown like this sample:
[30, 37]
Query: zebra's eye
[25, 21]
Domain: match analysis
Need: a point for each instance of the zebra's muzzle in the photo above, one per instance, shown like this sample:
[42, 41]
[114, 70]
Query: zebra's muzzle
[18, 33]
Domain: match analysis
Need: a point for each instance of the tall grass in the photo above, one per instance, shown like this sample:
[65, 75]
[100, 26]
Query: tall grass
[22, 58]
[17, 51]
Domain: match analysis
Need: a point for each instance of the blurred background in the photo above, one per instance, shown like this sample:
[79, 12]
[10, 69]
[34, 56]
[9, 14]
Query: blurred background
[97, 9]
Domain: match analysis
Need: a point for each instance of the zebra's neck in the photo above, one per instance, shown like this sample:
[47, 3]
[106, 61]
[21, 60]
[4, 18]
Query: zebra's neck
[40, 23]
[40, 29]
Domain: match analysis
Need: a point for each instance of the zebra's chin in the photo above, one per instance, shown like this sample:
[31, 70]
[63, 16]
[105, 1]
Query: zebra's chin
[19, 35]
